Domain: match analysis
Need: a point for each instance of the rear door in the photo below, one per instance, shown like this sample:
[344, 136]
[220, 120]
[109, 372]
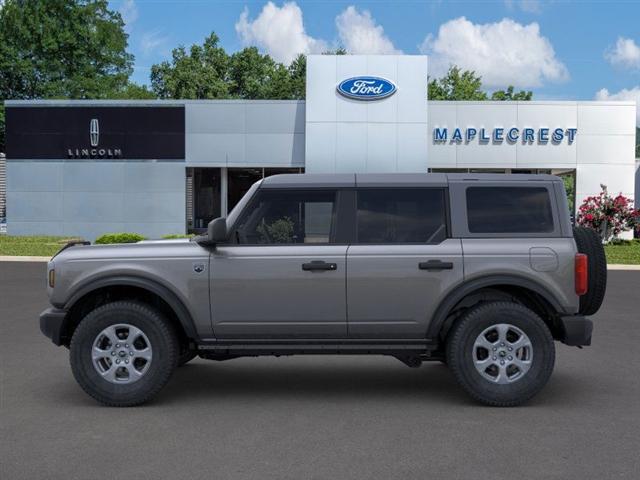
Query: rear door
[401, 263]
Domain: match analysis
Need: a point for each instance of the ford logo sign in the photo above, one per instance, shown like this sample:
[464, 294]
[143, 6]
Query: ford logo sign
[366, 88]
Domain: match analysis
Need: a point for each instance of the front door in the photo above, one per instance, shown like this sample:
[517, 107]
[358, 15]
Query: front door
[282, 275]
[402, 262]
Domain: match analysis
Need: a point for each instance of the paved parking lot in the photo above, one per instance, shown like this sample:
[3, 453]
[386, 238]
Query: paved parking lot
[318, 417]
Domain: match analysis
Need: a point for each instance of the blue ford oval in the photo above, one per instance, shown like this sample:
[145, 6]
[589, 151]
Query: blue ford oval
[366, 88]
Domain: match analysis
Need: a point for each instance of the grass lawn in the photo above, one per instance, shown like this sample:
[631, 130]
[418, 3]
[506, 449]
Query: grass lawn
[39, 246]
[627, 252]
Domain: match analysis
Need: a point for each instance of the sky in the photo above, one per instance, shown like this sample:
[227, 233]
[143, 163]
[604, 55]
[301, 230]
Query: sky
[561, 50]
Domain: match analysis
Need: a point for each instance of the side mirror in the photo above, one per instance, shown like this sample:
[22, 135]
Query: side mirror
[217, 230]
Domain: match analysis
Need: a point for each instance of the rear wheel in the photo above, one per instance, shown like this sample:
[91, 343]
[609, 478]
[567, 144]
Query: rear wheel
[123, 353]
[501, 353]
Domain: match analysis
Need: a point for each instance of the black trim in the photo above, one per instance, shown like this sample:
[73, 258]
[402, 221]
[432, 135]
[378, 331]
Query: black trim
[575, 330]
[52, 322]
[346, 216]
[244, 347]
[184, 317]
[458, 293]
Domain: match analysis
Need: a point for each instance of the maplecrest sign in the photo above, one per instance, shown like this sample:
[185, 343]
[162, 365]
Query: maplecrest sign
[526, 136]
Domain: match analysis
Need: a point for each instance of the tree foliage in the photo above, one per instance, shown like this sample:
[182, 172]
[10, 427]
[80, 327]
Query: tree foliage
[510, 95]
[207, 72]
[62, 49]
[458, 84]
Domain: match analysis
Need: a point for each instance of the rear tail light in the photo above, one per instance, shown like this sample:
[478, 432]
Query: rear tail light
[582, 276]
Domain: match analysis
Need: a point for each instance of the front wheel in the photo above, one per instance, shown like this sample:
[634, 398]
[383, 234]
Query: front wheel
[123, 353]
[501, 353]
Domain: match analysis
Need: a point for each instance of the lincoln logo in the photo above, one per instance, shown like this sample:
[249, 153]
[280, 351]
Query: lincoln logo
[94, 132]
[94, 151]
[366, 88]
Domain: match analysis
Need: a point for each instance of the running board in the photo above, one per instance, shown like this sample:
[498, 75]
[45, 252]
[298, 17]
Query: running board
[317, 347]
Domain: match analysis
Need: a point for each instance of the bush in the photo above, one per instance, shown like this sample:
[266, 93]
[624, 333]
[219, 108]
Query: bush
[124, 237]
[173, 236]
[608, 215]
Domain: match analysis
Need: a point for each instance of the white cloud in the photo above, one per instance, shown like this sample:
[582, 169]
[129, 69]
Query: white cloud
[151, 41]
[529, 6]
[632, 94]
[278, 31]
[129, 12]
[626, 53]
[504, 53]
[360, 34]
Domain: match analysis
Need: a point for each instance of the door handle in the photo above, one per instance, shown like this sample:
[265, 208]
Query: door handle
[435, 265]
[318, 265]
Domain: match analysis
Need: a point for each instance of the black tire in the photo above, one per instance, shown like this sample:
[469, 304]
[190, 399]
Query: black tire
[588, 242]
[186, 355]
[460, 351]
[164, 344]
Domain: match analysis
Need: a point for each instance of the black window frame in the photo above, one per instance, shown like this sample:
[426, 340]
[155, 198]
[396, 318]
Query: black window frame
[447, 214]
[337, 231]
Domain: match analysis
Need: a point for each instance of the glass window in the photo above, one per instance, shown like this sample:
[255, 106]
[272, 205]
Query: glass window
[288, 217]
[401, 215]
[509, 210]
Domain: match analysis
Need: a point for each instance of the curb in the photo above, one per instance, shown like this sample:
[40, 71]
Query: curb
[16, 258]
[618, 266]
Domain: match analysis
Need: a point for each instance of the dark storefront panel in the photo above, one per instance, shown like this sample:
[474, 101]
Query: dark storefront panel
[206, 197]
[145, 132]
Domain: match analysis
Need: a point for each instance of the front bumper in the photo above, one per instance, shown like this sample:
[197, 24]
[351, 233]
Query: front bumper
[575, 330]
[52, 324]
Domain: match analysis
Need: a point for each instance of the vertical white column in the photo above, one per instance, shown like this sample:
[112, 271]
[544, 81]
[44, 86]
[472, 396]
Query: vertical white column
[224, 191]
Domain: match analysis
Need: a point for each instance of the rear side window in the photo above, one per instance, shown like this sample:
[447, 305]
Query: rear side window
[509, 210]
[402, 215]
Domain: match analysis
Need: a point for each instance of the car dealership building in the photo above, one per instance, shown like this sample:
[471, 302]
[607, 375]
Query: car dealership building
[160, 167]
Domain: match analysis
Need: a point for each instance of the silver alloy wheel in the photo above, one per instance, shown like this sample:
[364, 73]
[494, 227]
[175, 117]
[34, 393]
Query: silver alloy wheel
[502, 353]
[121, 353]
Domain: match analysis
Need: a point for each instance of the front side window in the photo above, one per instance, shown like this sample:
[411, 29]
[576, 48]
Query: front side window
[287, 217]
[401, 215]
[509, 210]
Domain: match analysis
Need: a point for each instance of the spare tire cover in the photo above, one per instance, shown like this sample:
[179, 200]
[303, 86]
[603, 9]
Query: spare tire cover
[588, 242]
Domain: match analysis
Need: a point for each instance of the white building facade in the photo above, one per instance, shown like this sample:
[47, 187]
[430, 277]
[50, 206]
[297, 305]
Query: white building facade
[155, 167]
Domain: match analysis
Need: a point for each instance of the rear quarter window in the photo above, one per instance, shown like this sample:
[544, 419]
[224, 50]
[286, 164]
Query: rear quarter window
[509, 210]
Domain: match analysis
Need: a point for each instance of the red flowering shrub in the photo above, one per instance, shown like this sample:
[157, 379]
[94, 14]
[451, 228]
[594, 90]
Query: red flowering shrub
[609, 216]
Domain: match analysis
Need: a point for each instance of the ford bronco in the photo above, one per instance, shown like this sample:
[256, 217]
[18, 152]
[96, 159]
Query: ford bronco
[481, 272]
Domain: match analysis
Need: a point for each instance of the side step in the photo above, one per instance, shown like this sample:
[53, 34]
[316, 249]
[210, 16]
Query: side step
[243, 347]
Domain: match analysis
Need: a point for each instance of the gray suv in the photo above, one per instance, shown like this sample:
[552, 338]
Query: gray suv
[481, 272]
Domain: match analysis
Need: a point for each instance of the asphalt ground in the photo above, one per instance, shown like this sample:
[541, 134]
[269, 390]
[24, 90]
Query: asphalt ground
[318, 417]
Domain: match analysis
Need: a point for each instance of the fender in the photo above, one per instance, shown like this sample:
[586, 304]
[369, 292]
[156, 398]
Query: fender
[184, 317]
[464, 289]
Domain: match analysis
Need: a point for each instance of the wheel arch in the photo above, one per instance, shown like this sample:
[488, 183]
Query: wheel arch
[105, 290]
[525, 290]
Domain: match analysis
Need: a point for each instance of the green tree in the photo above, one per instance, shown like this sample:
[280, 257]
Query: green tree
[201, 73]
[61, 49]
[510, 95]
[208, 72]
[457, 85]
[298, 74]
